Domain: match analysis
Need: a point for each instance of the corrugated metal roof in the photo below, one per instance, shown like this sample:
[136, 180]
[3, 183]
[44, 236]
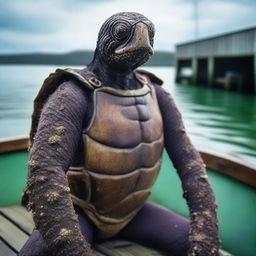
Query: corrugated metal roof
[235, 43]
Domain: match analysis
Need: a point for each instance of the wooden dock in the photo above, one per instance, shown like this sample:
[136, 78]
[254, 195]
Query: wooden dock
[226, 61]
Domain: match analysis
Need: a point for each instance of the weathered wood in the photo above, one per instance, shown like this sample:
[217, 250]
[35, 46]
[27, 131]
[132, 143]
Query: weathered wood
[19, 216]
[6, 250]
[125, 248]
[14, 144]
[15, 238]
[230, 166]
[12, 234]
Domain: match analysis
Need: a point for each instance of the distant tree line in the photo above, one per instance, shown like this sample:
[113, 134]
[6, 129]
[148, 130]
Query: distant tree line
[75, 58]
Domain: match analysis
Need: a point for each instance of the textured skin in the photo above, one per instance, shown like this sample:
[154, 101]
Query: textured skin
[64, 115]
[203, 234]
[114, 33]
[53, 149]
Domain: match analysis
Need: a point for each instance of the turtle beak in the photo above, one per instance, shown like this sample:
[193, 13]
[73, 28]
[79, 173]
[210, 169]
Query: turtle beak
[139, 41]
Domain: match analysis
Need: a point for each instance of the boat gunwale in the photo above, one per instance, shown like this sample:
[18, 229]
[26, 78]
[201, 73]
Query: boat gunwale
[12, 144]
[230, 166]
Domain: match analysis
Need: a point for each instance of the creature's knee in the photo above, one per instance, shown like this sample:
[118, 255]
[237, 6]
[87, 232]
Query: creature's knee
[34, 246]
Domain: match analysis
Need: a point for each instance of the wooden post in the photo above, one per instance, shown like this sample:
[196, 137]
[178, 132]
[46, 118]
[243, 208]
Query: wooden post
[194, 70]
[177, 70]
[254, 69]
[210, 70]
[254, 61]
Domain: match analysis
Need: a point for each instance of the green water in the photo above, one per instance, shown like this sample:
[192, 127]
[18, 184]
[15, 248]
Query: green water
[216, 120]
[11, 189]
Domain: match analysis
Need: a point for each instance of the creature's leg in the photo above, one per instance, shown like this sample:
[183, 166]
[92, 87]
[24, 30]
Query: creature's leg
[86, 225]
[158, 228]
[35, 245]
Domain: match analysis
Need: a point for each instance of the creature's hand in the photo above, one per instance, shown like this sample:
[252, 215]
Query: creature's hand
[74, 248]
[203, 235]
[53, 212]
[202, 249]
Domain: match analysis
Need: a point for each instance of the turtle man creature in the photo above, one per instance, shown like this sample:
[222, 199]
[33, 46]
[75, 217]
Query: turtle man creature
[97, 139]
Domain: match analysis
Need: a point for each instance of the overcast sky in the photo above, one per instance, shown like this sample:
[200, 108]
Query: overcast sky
[67, 25]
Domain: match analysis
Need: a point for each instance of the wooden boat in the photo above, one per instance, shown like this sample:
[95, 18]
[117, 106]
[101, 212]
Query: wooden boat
[234, 184]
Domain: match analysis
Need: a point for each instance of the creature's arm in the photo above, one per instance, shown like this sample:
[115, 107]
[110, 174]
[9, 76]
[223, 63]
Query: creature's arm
[56, 140]
[203, 235]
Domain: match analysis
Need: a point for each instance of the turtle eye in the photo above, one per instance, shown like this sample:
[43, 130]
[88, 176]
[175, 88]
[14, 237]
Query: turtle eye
[121, 30]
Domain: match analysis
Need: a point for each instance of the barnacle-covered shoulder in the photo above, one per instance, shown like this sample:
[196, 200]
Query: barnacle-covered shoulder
[52, 82]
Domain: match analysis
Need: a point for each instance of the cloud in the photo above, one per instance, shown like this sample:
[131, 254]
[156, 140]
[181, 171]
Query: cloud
[223, 16]
[64, 25]
[44, 26]
[29, 17]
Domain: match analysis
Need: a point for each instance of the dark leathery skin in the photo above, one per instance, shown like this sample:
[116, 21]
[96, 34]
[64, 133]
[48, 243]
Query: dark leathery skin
[54, 146]
[203, 236]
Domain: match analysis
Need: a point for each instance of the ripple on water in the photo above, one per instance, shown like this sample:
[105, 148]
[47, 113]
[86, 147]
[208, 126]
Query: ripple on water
[216, 120]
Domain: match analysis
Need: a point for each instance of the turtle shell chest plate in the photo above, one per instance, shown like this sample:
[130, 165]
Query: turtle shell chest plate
[123, 133]
[123, 146]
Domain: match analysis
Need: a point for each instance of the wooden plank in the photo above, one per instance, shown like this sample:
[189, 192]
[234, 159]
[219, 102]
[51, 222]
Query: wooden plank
[97, 253]
[19, 216]
[13, 144]
[15, 237]
[230, 166]
[125, 248]
[224, 253]
[6, 250]
[11, 234]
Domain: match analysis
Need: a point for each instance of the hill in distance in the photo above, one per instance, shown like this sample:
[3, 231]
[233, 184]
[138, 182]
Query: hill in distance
[80, 58]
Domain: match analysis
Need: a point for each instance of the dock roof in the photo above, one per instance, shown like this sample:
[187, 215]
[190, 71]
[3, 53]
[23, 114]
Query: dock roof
[235, 43]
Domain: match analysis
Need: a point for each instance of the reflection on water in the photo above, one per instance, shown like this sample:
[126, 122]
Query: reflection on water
[216, 120]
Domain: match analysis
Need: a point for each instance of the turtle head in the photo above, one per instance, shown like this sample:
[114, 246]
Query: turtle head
[125, 40]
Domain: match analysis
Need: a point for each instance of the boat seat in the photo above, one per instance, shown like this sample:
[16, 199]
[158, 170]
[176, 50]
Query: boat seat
[16, 225]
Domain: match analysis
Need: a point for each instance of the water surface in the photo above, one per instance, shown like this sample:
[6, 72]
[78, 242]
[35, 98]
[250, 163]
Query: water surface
[216, 120]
